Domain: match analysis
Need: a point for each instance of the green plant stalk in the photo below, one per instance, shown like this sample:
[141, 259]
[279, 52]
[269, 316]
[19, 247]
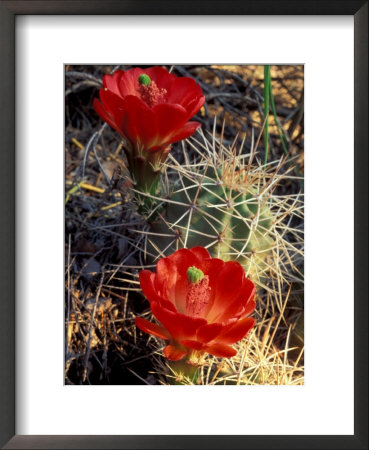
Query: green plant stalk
[146, 202]
[267, 87]
[145, 169]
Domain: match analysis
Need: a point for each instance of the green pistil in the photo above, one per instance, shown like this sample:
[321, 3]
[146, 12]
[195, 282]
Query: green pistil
[144, 79]
[194, 274]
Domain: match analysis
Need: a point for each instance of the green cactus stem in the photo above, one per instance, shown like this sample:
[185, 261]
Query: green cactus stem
[232, 223]
[185, 373]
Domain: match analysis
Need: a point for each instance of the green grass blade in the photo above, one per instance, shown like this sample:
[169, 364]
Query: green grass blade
[267, 87]
[279, 128]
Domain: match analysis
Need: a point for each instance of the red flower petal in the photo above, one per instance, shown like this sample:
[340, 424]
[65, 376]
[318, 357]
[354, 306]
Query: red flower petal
[236, 332]
[208, 332]
[166, 277]
[139, 124]
[148, 286]
[227, 288]
[249, 308]
[211, 268]
[128, 82]
[241, 303]
[174, 353]
[161, 76]
[183, 90]
[147, 280]
[200, 252]
[182, 259]
[179, 325]
[105, 115]
[184, 132]
[220, 350]
[193, 345]
[115, 107]
[111, 82]
[112, 102]
[152, 328]
[194, 105]
[171, 284]
[169, 118]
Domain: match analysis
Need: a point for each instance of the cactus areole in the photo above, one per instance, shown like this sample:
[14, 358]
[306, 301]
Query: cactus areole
[151, 109]
[202, 304]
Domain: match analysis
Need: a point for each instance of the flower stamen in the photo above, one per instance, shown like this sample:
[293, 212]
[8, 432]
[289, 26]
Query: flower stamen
[198, 292]
[150, 93]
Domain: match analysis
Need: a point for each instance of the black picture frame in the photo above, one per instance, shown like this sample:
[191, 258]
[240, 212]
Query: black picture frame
[8, 11]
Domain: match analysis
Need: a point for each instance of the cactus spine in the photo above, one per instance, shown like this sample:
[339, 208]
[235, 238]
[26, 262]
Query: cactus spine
[226, 204]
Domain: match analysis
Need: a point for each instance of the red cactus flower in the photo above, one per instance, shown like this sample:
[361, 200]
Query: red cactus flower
[151, 109]
[202, 303]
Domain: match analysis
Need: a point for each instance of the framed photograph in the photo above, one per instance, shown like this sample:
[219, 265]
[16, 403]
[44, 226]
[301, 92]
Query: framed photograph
[184, 226]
